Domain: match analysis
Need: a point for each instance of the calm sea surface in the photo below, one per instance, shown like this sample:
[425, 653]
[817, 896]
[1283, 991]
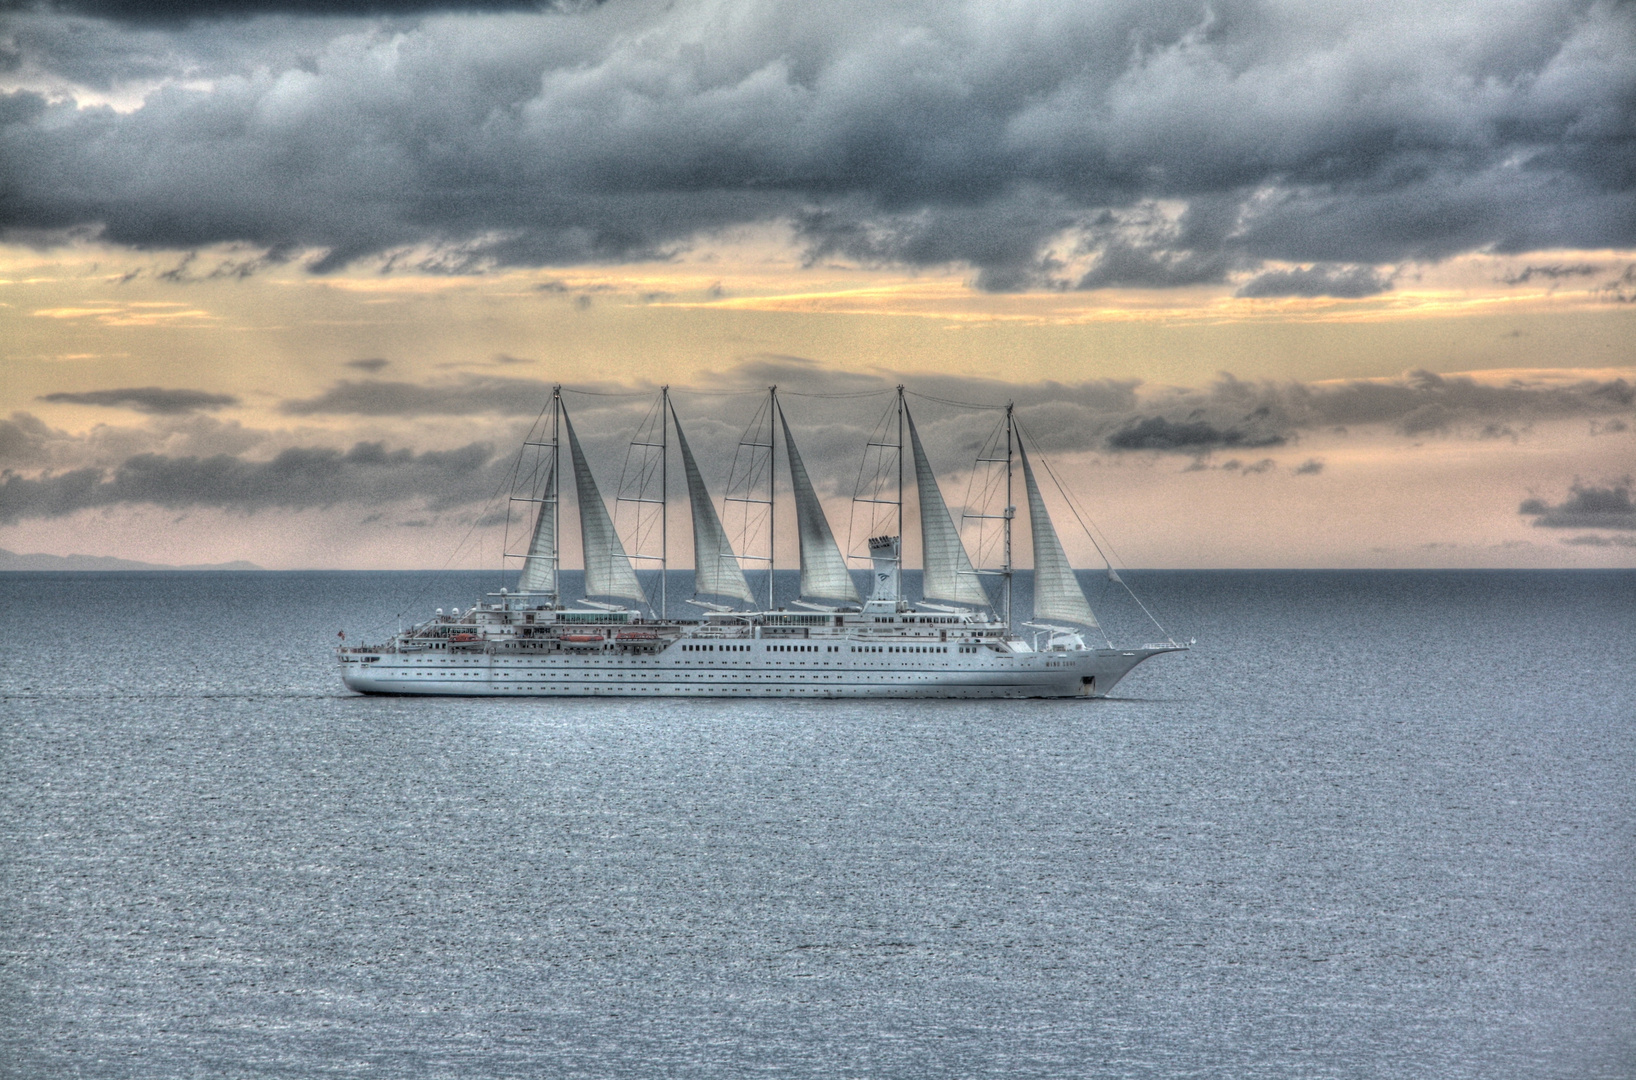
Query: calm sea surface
[1374, 825]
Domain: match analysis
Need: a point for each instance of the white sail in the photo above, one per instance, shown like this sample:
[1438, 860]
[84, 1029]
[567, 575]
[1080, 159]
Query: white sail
[823, 571]
[948, 573]
[607, 569]
[716, 571]
[1057, 594]
[540, 567]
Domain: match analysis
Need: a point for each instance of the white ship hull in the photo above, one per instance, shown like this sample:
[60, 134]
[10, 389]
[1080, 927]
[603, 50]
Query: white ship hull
[762, 670]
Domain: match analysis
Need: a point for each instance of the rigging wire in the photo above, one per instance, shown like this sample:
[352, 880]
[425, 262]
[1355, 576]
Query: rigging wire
[1073, 507]
[720, 393]
[954, 403]
[875, 442]
[746, 472]
[991, 483]
[814, 394]
[791, 393]
[607, 393]
[648, 467]
[506, 483]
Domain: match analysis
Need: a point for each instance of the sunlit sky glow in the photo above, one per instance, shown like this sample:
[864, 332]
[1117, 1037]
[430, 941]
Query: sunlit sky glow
[1271, 285]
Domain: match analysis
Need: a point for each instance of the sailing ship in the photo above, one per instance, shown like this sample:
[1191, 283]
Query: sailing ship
[953, 642]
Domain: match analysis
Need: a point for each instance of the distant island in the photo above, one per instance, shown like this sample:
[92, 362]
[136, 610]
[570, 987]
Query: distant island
[11, 560]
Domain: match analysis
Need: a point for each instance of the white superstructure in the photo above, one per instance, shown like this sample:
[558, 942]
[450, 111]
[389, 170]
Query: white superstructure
[529, 643]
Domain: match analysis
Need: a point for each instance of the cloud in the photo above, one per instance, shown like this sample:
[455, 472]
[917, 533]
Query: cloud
[1422, 401]
[298, 478]
[832, 411]
[1346, 282]
[1047, 146]
[1157, 433]
[1106, 414]
[370, 364]
[1597, 540]
[1585, 508]
[148, 399]
[1255, 468]
[1622, 289]
[467, 396]
[181, 11]
[25, 441]
[1551, 272]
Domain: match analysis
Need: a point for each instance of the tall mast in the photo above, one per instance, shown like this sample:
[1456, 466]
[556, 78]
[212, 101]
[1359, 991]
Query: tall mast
[900, 499]
[556, 490]
[772, 487]
[664, 497]
[1010, 512]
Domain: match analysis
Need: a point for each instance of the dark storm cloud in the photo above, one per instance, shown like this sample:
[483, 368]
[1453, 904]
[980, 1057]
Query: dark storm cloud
[148, 399]
[1348, 282]
[1551, 272]
[298, 478]
[1094, 414]
[1195, 436]
[1585, 508]
[1423, 401]
[181, 11]
[195, 460]
[25, 441]
[1233, 413]
[514, 397]
[1045, 144]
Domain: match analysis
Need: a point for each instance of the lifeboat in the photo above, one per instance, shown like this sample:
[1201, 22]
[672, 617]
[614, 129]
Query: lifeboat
[639, 640]
[460, 638]
[581, 641]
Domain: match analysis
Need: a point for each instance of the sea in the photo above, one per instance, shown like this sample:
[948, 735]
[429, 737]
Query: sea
[1371, 825]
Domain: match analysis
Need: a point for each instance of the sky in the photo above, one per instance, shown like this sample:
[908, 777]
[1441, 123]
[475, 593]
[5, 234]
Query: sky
[1270, 284]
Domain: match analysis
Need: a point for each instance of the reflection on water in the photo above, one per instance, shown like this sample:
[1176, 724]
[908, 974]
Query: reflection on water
[1374, 825]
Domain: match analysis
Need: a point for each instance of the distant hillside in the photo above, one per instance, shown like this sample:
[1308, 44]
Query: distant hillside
[10, 560]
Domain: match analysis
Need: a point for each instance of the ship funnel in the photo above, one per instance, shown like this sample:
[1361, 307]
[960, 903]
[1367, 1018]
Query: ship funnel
[884, 551]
